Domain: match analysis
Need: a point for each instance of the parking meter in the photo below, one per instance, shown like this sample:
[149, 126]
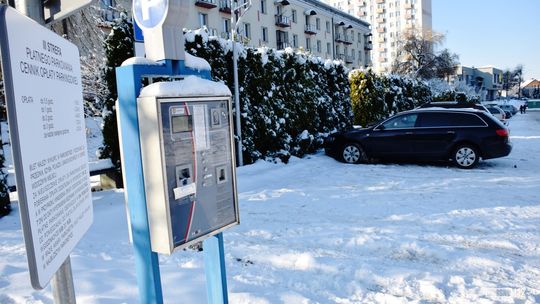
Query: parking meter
[189, 168]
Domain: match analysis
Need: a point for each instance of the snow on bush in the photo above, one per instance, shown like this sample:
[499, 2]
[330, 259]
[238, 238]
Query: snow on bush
[289, 100]
[441, 90]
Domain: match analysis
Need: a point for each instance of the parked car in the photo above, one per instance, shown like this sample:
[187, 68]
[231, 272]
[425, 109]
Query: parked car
[497, 112]
[509, 108]
[454, 105]
[462, 136]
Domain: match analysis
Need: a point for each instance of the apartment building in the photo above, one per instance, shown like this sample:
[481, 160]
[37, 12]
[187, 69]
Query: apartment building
[301, 24]
[388, 19]
[485, 80]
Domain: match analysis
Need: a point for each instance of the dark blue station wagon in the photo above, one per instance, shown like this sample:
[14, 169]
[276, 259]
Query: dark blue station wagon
[462, 136]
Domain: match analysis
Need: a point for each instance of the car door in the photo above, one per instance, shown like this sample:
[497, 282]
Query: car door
[392, 138]
[435, 134]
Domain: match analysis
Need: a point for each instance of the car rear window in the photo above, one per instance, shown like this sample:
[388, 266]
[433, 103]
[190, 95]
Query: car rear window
[430, 120]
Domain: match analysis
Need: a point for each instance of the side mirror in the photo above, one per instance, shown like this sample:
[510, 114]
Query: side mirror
[379, 128]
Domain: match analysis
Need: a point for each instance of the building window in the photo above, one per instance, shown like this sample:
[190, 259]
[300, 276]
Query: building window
[265, 34]
[263, 7]
[352, 36]
[295, 40]
[359, 55]
[318, 24]
[328, 48]
[203, 19]
[226, 25]
[247, 30]
[294, 16]
[359, 37]
[319, 46]
[308, 43]
[328, 26]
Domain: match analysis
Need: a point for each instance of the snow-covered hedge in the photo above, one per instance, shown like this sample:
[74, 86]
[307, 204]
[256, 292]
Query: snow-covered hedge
[289, 100]
[375, 97]
[441, 90]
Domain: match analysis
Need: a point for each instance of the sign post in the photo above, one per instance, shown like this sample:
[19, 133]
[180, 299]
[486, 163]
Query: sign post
[46, 121]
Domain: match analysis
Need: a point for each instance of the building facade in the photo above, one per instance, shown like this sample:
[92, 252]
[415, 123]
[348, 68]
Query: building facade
[388, 19]
[531, 89]
[301, 24]
[486, 80]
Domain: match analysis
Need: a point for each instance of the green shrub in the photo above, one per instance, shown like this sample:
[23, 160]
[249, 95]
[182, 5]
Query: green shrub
[376, 97]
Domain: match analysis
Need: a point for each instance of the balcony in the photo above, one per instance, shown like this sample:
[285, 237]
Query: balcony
[347, 39]
[381, 29]
[206, 3]
[281, 45]
[368, 46]
[409, 16]
[212, 31]
[381, 11]
[381, 49]
[380, 20]
[380, 1]
[362, 14]
[310, 29]
[409, 5]
[362, 3]
[283, 21]
[341, 56]
[382, 59]
[349, 59]
[225, 6]
[340, 37]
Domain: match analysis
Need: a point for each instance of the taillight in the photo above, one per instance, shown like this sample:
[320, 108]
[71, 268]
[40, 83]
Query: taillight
[502, 132]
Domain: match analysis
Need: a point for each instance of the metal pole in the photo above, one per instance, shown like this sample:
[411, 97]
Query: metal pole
[62, 284]
[237, 111]
[31, 8]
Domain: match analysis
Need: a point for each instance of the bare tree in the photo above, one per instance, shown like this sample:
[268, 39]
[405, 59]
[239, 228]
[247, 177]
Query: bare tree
[416, 56]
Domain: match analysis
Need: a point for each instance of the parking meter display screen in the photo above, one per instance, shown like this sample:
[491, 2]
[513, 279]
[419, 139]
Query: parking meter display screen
[199, 167]
[182, 123]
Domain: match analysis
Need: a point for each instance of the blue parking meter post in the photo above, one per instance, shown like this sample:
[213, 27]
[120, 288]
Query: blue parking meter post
[129, 83]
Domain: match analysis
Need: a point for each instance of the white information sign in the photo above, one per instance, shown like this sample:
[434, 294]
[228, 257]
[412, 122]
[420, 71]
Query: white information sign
[46, 118]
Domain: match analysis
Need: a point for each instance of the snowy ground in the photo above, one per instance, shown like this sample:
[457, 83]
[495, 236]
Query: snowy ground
[319, 231]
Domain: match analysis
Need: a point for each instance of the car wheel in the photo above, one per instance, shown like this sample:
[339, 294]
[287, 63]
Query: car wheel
[466, 156]
[353, 154]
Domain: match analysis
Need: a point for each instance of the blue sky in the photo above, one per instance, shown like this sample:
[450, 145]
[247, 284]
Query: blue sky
[500, 33]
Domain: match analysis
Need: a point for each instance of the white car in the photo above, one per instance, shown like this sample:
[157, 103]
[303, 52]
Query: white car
[497, 112]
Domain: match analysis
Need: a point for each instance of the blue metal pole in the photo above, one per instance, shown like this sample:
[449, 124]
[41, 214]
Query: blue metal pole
[146, 262]
[214, 267]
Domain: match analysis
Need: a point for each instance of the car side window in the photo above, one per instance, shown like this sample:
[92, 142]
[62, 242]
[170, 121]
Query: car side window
[401, 122]
[431, 120]
[468, 120]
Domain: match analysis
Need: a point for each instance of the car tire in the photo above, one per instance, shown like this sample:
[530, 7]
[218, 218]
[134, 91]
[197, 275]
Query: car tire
[465, 156]
[353, 154]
